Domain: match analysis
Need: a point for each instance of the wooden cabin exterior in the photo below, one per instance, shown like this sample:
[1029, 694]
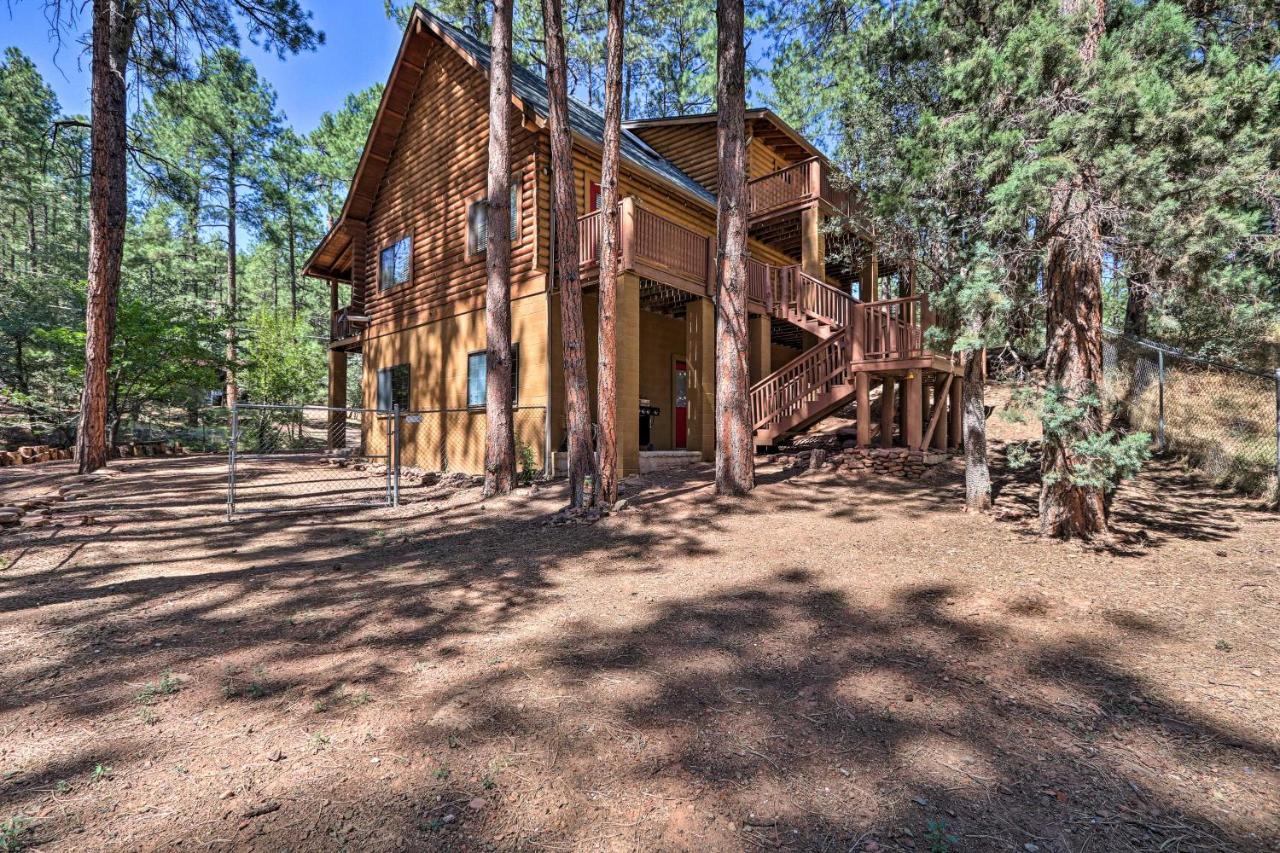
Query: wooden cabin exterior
[405, 266]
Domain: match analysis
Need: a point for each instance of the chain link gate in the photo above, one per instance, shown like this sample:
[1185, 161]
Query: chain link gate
[303, 458]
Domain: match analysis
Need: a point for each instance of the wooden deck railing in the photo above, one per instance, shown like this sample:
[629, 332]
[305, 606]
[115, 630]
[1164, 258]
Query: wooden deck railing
[794, 185]
[649, 243]
[345, 323]
[893, 328]
[805, 378]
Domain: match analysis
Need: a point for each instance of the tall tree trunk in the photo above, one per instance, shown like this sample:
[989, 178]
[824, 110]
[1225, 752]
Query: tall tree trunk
[293, 263]
[607, 371]
[1073, 363]
[232, 392]
[31, 237]
[577, 398]
[1135, 306]
[499, 449]
[108, 198]
[735, 461]
[977, 473]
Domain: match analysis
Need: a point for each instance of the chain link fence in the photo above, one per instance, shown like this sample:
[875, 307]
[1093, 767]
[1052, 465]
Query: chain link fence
[298, 458]
[452, 441]
[158, 432]
[1221, 419]
[301, 458]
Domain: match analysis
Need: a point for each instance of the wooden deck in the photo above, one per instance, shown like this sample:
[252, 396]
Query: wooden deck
[796, 186]
[884, 341]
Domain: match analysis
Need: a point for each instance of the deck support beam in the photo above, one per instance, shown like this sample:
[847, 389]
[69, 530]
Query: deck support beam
[888, 405]
[869, 277]
[760, 334]
[700, 349]
[913, 404]
[941, 404]
[862, 385]
[337, 399]
[956, 411]
[813, 244]
[627, 360]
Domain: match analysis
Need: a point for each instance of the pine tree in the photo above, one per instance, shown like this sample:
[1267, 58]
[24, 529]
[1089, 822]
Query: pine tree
[607, 371]
[568, 281]
[735, 461]
[500, 452]
[230, 116]
[151, 37]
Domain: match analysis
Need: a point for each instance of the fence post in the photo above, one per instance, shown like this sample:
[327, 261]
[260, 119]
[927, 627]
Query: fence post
[1160, 362]
[231, 463]
[395, 485]
[1278, 429]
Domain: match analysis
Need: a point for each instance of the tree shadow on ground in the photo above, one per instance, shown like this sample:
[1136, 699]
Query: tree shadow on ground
[780, 711]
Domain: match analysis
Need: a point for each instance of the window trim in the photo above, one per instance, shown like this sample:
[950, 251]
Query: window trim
[515, 377]
[389, 372]
[405, 237]
[517, 229]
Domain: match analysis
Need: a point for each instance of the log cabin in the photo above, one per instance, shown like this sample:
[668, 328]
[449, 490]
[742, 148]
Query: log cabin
[831, 324]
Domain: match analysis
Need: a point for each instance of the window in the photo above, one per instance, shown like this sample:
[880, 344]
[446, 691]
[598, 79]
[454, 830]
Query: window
[393, 263]
[477, 363]
[393, 388]
[593, 200]
[478, 221]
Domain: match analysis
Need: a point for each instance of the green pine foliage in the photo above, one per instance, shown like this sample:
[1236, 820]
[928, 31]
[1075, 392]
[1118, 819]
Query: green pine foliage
[950, 118]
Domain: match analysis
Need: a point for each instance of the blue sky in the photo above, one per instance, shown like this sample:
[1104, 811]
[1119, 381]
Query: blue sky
[359, 46]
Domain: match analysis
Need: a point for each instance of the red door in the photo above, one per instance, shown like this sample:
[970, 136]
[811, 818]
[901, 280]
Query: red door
[682, 405]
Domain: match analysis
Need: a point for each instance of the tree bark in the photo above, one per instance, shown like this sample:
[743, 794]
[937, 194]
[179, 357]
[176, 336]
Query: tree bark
[499, 449]
[293, 262]
[112, 35]
[735, 461]
[977, 472]
[232, 392]
[607, 372]
[564, 212]
[1135, 306]
[1073, 362]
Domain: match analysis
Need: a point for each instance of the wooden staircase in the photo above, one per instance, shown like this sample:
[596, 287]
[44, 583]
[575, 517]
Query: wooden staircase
[854, 337]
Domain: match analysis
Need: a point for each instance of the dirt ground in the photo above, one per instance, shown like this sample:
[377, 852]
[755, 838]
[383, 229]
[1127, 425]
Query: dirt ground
[832, 663]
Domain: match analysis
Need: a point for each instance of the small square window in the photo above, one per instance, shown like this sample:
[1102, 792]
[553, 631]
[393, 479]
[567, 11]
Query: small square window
[393, 388]
[478, 221]
[477, 370]
[394, 262]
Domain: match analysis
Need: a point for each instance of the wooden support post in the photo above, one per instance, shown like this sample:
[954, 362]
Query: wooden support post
[914, 405]
[627, 360]
[760, 334]
[359, 264]
[813, 246]
[337, 399]
[888, 403]
[937, 420]
[869, 277]
[333, 309]
[627, 233]
[700, 349]
[956, 410]
[941, 404]
[862, 385]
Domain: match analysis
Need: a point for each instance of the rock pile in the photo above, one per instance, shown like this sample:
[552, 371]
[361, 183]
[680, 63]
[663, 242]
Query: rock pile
[33, 453]
[40, 511]
[138, 449]
[885, 461]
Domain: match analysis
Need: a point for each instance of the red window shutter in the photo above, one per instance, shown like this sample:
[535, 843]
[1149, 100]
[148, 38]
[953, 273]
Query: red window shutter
[595, 196]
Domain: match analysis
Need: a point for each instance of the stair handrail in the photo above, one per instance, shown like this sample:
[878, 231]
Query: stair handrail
[800, 379]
